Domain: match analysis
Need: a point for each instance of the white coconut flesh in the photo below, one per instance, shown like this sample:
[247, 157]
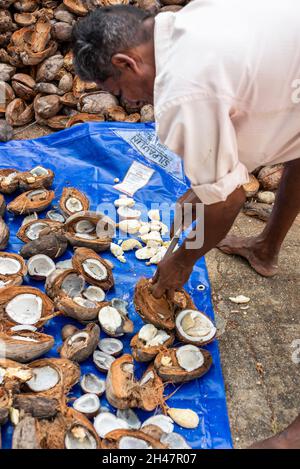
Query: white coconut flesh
[152, 236]
[9, 178]
[85, 236]
[146, 378]
[73, 205]
[130, 417]
[25, 308]
[174, 441]
[2, 374]
[79, 337]
[39, 171]
[21, 327]
[73, 285]
[110, 346]
[33, 231]
[107, 422]
[120, 305]
[94, 293]
[64, 265]
[79, 438]
[44, 378]
[124, 201]
[84, 226]
[28, 218]
[23, 338]
[189, 357]
[9, 266]
[3, 284]
[94, 269]
[110, 318]
[195, 326]
[145, 253]
[164, 422]
[129, 226]
[127, 212]
[87, 404]
[36, 195]
[84, 302]
[160, 338]
[90, 383]
[55, 216]
[131, 442]
[40, 265]
[151, 336]
[103, 360]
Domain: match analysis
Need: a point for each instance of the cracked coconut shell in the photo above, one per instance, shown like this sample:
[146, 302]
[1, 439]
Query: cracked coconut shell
[123, 391]
[98, 273]
[32, 201]
[13, 268]
[80, 345]
[270, 176]
[70, 195]
[9, 180]
[15, 375]
[169, 370]
[24, 346]
[143, 353]
[52, 245]
[160, 312]
[36, 178]
[24, 233]
[112, 439]
[4, 234]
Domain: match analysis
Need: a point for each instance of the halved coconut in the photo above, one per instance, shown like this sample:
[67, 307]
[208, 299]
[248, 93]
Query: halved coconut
[25, 305]
[53, 215]
[76, 227]
[106, 422]
[12, 268]
[68, 330]
[160, 312]
[33, 216]
[130, 417]
[93, 268]
[149, 341]
[164, 422]
[44, 378]
[79, 437]
[95, 294]
[65, 282]
[36, 200]
[103, 361]
[123, 391]
[80, 345]
[182, 364]
[24, 346]
[78, 308]
[4, 234]
[88, 404]
[114, 322]
[36, 178]
[40, 266]
[90, 383]
[111, 346]
[53, 245]
[9, 180]
[73, 201]
[194, 327]
[32, 229]
[130, 439]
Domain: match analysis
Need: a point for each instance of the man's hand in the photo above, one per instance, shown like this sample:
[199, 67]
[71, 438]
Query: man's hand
[172, 273]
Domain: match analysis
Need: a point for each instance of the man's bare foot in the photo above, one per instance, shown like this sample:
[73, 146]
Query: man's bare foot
[254, 251]
[288, 439]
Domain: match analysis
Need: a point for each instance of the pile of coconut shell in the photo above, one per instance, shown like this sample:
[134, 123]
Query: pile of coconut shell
[36, 73]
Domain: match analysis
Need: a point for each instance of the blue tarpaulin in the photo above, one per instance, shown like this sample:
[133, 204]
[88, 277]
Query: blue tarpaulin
[90, 157]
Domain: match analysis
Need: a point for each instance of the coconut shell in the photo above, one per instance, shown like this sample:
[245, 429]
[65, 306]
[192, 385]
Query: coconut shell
[146, 354]
[23, 86]
[76, 6]
[147, 113]
[17, 278]
[97, 102]
[49, 69]
[69, 192]
[24, 204]
[135, 117]
[52, 225]
[8, 187]
[111, 440]
[270, 176]
[82, 117]
[18, 113]
[52, 245]
[6, 72]
[39, 407]
[126, 326]
[252, 187]
[176, 374]
[8, 293]
[68, 99]
[2, 205]
[72, 310]
[80, 87]
[200, 343]
[258, 210]
[123, 391]
[46, 106]
[100, 243]
[58, 122]
[4, 234]
[80, 350]
[54, 282]
[24, 351]
[28, 181]
[25, 19]
[16, 375]
[82, 254]
[7, 93]
[159, 312]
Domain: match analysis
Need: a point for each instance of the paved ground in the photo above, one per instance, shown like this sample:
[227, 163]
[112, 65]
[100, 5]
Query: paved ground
[262, 382]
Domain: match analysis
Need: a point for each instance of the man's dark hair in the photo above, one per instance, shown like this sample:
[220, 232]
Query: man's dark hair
[103, 33]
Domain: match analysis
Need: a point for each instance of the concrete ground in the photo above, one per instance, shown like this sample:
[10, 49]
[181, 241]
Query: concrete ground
[257, 344]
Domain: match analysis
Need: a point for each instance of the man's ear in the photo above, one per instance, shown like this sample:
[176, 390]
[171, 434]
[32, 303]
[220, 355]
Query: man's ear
[123, 61]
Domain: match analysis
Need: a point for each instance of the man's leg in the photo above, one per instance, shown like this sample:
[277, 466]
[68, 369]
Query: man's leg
[262, 251]
[288, 439]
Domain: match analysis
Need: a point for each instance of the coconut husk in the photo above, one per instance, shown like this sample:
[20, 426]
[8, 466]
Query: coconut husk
[141, 353]
[6, 72]
[24, 351]
[81, 255]
[4, 234]
[2, 205]
[160, 312]
[173, 373]
[54, 282]
[6, 131]
[252, 187]
[28, 181]
[68, 99]
[8, 93]
[123, 391]
[72, 310]
[79, 87]
[57, 122]
[97, 102]
[8, 293]
[52, 245]
[258, 210]
[101, 243]
[28, 202]
[25, 19]
[6, 186]
[23, 86]
[69, 192]
[25, 434]
[17, 113]
[79, 350]
[15, 375]
[135, 117]
[48, 70]
[52, 225]
[111, 440]
[17, 278]
[83, 117]
[46, 107]
[39, 407]
[270, 176]
[76, 6]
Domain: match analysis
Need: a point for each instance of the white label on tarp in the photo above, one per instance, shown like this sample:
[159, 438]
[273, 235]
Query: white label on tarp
[148, 144]
[137, 176]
